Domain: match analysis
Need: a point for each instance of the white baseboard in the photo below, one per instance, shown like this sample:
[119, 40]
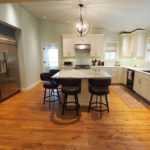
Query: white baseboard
[31, 86]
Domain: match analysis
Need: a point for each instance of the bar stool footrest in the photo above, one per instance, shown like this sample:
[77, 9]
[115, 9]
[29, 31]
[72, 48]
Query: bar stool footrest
[71, 106]
[98, 109]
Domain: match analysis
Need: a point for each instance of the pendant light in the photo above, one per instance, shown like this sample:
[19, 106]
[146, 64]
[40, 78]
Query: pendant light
[81, 25]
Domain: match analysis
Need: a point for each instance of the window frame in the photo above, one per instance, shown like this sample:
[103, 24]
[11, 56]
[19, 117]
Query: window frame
[107, 51]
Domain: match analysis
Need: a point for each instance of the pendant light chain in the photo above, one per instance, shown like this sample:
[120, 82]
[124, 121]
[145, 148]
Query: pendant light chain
[82, 27]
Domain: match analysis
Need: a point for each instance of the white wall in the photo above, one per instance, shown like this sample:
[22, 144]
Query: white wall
[28, 41]
[51, 33]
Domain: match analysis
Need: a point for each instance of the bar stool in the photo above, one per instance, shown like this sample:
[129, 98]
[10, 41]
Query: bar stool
[54, 71]
[70, 87]
[51, 85]
[99, 87]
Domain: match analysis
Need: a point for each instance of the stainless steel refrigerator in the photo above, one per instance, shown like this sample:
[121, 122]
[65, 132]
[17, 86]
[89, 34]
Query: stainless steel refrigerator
[9, 75]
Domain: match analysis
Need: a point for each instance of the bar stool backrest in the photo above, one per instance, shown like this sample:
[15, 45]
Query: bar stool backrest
[70, 82]
[46, 76]
[99, 82]
[53, 71]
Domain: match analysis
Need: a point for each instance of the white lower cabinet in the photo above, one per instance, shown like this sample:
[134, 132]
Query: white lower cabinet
[142, 86]
[116, 73]
[124, 76]
[148, 93]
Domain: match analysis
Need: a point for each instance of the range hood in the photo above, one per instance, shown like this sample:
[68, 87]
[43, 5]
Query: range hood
[82, 47]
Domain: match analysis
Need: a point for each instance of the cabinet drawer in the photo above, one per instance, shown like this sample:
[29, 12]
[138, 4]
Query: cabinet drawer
[142, 75]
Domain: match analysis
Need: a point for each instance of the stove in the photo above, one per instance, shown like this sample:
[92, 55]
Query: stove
[82, 67]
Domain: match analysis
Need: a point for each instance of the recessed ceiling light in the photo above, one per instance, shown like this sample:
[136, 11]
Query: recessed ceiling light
[143, 27]
[44, 17]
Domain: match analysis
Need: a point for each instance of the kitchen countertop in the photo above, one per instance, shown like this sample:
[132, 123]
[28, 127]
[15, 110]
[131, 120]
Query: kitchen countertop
[82, 74]
[127, 67]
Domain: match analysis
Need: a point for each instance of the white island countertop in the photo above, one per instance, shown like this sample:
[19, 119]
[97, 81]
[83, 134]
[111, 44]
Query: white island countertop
[82, 74]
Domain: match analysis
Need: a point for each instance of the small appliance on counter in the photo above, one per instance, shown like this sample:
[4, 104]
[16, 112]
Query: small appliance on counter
[117, 63]
[68, 63]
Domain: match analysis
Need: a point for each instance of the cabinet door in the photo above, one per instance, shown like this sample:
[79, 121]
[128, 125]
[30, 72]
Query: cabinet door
[119, 75]
[136, 85]
[141, 86]
[112, 72]
[124, 76]
[68, 47]
[141, 46]
[97, 44]
[148, 91]
[132, 45]
[144, 88]
[125, 45]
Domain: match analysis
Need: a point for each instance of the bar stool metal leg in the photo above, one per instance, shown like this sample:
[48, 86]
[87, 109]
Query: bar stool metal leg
[96, 100]
[76, 101]
[64, 104]
[107, 103]
[44, 96]
[49, 97]
[101, 107]
[90, 103]
[58, 95]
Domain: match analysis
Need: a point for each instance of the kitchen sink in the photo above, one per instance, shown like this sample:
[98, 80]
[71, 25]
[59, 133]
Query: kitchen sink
[148, 71]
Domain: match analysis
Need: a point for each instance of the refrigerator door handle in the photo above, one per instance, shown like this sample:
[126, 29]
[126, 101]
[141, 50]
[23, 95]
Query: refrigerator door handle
[5, 55]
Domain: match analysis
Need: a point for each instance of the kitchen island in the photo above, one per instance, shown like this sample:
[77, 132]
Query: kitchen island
[84, 75]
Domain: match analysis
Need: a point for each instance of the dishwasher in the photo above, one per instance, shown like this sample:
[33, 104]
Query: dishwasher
[130, 79]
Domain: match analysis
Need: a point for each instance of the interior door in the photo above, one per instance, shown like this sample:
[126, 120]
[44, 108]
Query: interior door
[50, 57]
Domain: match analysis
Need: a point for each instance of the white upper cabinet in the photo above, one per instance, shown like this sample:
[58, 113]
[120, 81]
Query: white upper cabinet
[132, 41]
[97, 45]
[68, 47]
[96, 42]
[125, 51]
[140, 43]
[133, 44]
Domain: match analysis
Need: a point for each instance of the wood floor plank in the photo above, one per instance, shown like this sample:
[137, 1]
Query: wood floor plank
[26, 123]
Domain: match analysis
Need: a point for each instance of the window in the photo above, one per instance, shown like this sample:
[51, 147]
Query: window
[110, 50]
[148, 50]
[51, 56]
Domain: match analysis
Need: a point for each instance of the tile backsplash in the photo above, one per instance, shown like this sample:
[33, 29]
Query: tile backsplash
[84, 58]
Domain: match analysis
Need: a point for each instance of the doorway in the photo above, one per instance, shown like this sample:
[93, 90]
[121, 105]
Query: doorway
[50, 57]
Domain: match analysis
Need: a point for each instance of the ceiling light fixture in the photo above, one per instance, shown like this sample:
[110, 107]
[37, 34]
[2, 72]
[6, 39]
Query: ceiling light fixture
[81, 25]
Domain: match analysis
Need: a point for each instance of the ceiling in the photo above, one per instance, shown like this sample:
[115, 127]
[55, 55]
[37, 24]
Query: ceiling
[114, 15]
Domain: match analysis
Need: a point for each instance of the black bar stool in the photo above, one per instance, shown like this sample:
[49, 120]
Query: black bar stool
[99, 87]
[51, 85]
[70, 87]
[53, 71]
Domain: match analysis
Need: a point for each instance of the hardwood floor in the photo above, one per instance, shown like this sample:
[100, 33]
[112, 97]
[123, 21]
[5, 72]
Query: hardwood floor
[26, 123]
